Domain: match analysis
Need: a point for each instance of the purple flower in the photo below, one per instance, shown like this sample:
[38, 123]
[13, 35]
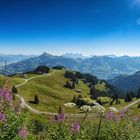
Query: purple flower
[123, 112]
[52, 119]
[117, 118]
[18, 107]
[61, 117]
[22, 132]
[2, 117]
[75, 127]
[109, 115]
[6, 95]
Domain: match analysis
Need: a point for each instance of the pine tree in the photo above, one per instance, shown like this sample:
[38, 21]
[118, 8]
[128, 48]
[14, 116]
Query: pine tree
[92, 90]
[74, 100]
[77, 81]
[128, 97]
[13, 96]
[14, 90]
[73, 85]
[111, 103]
[138, 94]
[138, 105]
[36, 99]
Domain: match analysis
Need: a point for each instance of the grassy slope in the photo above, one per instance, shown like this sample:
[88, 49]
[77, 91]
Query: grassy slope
[100, 87]
[11, 81]
[50, 91]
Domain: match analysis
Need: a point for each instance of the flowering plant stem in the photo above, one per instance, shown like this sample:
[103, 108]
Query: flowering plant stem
[85, 117]
[99, 126]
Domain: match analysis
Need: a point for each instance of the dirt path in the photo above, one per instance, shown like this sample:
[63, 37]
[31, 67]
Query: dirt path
[27, 80]
[131, 104]
[25, 105]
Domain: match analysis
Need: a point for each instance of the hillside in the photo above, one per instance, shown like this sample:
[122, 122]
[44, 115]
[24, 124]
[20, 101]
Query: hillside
[11, 81]
[104, 67]
[50, 89]
[127, 82]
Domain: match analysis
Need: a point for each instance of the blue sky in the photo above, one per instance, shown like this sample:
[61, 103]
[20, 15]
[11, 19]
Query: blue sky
[91, 27]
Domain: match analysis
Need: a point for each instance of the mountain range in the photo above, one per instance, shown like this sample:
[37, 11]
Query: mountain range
[74, 55]
[13, 58]
[127, 82]
[104, 67]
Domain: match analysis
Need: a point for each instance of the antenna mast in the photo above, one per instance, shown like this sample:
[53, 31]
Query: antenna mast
[5, 84]
[5, 69]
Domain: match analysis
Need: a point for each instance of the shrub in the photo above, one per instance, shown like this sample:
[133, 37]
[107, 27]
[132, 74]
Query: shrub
[85, 101]
[103, 100]
[41, 70]
[58, 67]
[36, 100]
[14, 90]
[138, 105]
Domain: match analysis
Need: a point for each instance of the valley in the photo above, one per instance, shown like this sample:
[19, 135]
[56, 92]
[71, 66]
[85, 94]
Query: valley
[60, 86]
[51, 91]
[104, 67]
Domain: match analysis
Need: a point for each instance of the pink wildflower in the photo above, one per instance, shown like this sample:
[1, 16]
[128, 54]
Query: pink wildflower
[52, 119]
[4, 93]
[2, 117]
[22, 132]
[75, 127]
[61, 117]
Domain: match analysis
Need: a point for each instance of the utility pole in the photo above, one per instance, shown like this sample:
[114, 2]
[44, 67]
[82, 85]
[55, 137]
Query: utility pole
[5, 82]
[5, 69]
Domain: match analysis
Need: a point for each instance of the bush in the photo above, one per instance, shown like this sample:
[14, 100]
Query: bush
[103, 100]
[41, 70]
[14, 90]
[36, 100]
[58, 67]
[138, 105]
[85, 101]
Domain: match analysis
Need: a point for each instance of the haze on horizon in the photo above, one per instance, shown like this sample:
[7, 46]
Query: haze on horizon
[89, 27]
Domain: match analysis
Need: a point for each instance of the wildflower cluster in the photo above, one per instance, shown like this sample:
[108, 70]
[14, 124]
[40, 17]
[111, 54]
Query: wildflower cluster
[69, 104]
[22, 132]
[113, 109]
[5, 95]
[85, 108]
[11, 119]
[61, 117]
[2, 117]
[114, 114]
[98, 108]
[75, 127]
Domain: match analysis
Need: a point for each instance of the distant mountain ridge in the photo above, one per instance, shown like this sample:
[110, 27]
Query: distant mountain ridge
[104, 67]
[44, 59]
[13, 58]
[74, 55]
[127, 82]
